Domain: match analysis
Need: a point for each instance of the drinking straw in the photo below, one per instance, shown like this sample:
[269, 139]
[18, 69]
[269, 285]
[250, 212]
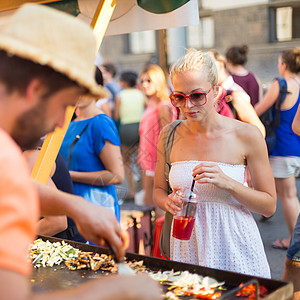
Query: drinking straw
[190, 197]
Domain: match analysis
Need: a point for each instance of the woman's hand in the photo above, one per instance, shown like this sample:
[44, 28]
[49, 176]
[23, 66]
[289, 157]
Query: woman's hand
[173, 203]
[210, 172]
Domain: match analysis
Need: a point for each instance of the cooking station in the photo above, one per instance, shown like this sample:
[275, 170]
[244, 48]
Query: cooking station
[59, 277]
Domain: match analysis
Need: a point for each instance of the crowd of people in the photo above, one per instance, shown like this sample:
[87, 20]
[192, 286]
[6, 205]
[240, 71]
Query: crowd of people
[120, 132]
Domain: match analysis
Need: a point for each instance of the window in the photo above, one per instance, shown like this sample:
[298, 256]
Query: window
[284, 23]
[287, 23]
[202, 35]
[142, 42]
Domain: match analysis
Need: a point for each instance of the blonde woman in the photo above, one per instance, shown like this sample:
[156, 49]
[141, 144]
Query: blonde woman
[159, 112]
[215, 150]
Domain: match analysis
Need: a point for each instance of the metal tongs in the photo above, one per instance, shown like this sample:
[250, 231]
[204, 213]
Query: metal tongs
[123, 268]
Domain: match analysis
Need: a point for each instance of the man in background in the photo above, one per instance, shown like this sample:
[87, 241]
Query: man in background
[109, 73]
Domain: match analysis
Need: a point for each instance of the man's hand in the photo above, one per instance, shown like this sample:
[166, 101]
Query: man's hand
[130, 288]
[96, 223]
[99, 224]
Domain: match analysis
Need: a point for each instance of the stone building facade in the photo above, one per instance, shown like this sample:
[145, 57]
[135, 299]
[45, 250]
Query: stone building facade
[267, 27]
[254, 26]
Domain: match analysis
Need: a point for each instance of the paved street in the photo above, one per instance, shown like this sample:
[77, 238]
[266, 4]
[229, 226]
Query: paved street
[271, 230]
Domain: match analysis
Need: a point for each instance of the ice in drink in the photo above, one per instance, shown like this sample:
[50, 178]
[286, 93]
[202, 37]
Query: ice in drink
[183, 227]
[184, 220]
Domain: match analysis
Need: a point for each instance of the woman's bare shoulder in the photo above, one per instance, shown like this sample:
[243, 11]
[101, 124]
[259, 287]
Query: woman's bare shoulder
[240, 129]
[248, 132]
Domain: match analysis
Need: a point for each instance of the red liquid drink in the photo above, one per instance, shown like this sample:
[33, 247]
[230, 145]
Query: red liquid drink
[182, 227]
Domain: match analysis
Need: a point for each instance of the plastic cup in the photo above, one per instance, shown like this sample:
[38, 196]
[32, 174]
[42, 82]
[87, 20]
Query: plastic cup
[183, 222]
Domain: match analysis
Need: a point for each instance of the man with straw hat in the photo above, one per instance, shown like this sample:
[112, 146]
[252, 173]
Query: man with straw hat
[46, 63]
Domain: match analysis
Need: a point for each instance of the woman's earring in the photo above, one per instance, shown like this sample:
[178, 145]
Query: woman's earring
[218, 105]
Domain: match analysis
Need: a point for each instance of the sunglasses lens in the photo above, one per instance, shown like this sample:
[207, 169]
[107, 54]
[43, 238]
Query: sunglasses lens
[177, 99]
[198, 98]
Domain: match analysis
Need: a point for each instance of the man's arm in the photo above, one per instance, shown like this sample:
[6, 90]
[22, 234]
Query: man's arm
[51, 225]
[15, 286]
[94, 222]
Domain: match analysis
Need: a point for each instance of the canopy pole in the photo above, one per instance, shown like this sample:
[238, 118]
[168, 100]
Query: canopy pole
[50, 148]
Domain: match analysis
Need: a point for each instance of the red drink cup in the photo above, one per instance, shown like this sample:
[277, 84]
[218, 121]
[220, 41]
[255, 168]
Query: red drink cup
[183, 227]
[184, 220]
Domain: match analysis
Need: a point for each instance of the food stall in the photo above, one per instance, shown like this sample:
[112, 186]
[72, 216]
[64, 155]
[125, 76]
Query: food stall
[56, 277]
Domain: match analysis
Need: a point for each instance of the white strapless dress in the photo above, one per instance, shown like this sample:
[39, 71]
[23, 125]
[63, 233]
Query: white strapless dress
[225, 235]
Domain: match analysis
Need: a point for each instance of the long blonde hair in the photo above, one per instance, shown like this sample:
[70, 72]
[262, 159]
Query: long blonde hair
[157, 76]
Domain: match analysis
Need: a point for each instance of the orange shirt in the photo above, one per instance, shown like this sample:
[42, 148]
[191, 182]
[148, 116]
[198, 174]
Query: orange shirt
[19, 208]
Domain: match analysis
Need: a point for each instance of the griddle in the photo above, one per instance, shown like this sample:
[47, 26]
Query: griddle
[59, 277]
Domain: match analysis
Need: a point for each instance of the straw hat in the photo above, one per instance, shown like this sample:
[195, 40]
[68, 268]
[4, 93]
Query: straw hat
[50, 37]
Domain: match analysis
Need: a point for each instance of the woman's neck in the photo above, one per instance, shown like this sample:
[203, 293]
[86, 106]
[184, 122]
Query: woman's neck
[288, 73]
[223, 75]
[154, 98]
[238, 70]
[87, 112]
[211, 125]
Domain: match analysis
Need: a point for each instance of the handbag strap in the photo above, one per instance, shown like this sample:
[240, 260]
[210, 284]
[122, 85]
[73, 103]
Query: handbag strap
[281, 97]
[76, 139]
[168, 143]
[164, 241]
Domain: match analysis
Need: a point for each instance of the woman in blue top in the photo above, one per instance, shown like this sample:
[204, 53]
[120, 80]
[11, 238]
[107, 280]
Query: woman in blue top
[285, 158]
[94, 160]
